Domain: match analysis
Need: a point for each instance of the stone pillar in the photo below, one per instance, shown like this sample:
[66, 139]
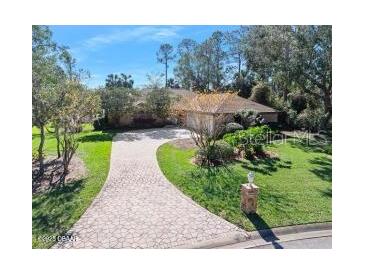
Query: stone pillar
[249, 195]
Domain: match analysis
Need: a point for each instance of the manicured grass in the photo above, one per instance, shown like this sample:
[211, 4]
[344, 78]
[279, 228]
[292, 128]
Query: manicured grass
[54, 212]
[294, 189]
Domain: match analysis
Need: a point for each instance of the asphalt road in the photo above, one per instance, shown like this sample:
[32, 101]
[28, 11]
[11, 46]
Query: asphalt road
[311, 243]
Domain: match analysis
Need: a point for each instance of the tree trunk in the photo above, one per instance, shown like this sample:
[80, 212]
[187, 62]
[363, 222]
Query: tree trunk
[40, 151]
[285, 94]
[327, 104]
[57, 134]
[208, 76]
[239, 65]
[166, 74]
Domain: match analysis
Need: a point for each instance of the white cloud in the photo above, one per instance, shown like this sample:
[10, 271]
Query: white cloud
[140, 33]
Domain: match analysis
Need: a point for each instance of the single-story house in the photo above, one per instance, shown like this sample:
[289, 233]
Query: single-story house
[208, 110]
[140, 117]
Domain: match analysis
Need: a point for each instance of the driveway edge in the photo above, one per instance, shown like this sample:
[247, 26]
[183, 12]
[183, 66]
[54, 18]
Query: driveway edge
[227, 239]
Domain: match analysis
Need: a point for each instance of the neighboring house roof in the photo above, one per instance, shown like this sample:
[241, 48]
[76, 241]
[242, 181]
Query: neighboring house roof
[173, 92]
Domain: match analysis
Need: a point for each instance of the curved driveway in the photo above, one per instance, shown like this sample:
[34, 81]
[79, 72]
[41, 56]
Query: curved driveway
[138, 207]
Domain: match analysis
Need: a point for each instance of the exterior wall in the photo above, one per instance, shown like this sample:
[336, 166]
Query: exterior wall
[270, 117]
[125, 120]
[197, 120]
[136, 120]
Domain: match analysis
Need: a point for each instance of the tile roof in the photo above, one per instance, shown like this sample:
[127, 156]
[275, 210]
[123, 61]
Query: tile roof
[238, 104]
[221, 103]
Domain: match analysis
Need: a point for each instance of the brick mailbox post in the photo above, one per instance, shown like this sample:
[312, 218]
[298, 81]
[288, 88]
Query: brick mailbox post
[249, 195]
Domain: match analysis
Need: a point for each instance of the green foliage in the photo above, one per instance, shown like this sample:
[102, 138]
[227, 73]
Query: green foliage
[312, 119]
[119, 81]
[164, 55]
[117, 100]
[232, 127]
[215, 154]
[243, 83]
[291, 57]
[54, 212]
[172, 83]
[298, 102]
[101, 124]
[158, 102]
[294, 189]
[247, 118]
[292, 116]
[185, 66]
[235, 40]
[201, 66]
[251, 141]
[261, 93]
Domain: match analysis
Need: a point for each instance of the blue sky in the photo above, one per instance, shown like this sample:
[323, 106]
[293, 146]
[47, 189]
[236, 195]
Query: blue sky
[124, 49]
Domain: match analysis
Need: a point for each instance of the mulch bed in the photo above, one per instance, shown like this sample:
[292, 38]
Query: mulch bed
[186, 143]
[53, 171]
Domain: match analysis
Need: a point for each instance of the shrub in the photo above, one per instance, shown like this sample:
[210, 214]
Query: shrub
[246, 118]
[158, 102]
[292, 118]
[224, 150]
[215, 154]
[232, 127]
[251, 141]
[298, 102]
[312, 119]
[117, 100]
[101, 124]
[261, 94]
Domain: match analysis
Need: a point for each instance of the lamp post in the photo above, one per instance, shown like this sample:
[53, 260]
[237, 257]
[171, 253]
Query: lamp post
[250, 178]
[249, 195]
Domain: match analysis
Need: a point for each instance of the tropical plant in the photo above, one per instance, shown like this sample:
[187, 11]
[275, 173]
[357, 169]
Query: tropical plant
[251, 141]
[220, 153]
[204, 132]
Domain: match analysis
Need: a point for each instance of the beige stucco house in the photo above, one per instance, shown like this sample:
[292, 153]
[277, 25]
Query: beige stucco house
[205, 110]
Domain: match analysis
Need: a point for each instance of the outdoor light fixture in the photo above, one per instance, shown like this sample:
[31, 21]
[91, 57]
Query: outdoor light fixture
[250, 177]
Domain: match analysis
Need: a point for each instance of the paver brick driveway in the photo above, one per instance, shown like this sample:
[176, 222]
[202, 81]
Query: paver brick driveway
[138, 207]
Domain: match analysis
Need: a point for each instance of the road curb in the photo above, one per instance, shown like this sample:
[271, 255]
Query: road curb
[289, 230]
[235, 238]
[228, 239]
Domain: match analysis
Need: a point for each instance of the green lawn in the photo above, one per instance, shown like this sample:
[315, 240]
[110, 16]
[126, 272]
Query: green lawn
[54, 212]
[294, 189]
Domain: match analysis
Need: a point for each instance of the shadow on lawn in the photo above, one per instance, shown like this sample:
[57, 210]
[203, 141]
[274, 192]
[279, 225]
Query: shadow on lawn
[323, 146]
[323, 168]
[51, 210]
[96, 137]
[266, 166]
[327, 192]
